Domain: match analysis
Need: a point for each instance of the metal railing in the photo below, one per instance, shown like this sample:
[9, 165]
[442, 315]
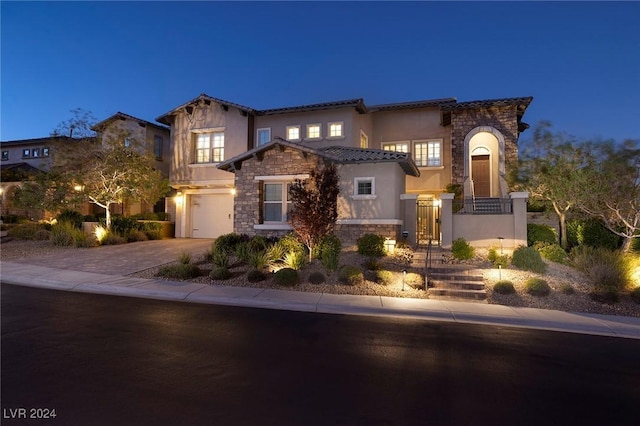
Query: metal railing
[428, 264]
[483, 206]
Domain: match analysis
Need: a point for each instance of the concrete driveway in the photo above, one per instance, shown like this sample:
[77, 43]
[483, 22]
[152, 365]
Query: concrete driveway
[121, 259]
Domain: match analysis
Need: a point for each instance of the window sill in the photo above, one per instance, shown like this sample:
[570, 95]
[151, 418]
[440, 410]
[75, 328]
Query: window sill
[275, 226]
[312, 139]
[334, 138]
[431, 167]
[364, 197]
[204, 164]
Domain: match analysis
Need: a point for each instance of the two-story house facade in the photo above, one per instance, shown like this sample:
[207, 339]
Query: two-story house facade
[231, 164]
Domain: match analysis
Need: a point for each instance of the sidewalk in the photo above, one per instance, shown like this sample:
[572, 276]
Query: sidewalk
[432, 310]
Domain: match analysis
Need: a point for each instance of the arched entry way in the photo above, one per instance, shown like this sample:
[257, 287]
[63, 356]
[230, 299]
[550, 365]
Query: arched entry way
[484, 162]
[481, 172]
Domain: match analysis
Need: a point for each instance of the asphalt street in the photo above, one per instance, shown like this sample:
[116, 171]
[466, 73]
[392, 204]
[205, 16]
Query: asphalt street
[108, 360]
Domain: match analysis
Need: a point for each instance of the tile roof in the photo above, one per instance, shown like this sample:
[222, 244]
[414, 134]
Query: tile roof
[122, 116]
[487, 103]
[338, 154]
[203, 98]
[412, 105]
[358, 104]
[37, 140]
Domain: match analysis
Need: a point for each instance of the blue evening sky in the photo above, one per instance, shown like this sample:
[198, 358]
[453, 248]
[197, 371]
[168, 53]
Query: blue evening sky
[580, 61]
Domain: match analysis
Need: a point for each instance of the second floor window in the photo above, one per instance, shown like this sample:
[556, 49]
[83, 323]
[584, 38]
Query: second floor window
[264, 136]
[26, 153]
[335, 130]
[209, 147]
[396, 146]
[5, 155]
[158, 141]
[293, 133]
[313, 131]
[428, 154]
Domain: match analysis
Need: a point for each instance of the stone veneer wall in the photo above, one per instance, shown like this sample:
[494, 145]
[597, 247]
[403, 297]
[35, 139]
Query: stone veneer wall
[504, 119]
[349, 234]
[274, 162]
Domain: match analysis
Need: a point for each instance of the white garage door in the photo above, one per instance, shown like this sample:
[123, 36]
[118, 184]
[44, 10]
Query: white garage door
[211, 215]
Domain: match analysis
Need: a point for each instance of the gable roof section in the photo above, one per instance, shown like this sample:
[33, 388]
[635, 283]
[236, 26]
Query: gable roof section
[412, 105]
[337, 154]
[520, 103]
[122, 116]
[203, 99]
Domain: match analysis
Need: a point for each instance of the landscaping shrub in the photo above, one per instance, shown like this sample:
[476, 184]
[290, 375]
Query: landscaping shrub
[552, 252]
[604, 294]
[220, 258]
[286, 277]
[135, 236]
[317, 278]
[62, 234]
[635, 294]
[152, 230]
[498, 260]
[371, 245]
[294, 259]
[504, 287]
[603, 267]
[228, 242]
[591, 233]
[529, 259]
[414, 280]
[290, 242]
[384, 277]
[372, 264]
[256, 275]
[25, 231]
[566, 289]
[540, 234]
[461, 250]
[179, 271]
[537, 287]
[122, 225]
[258, 244]
[258, 259]
[42, 235]
[220, 273]
[350, 275]
[330, 248]
[184, 257]
[71, 216]
[112, 239]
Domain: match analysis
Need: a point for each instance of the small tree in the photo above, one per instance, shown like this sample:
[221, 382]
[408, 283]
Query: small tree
[314, 205]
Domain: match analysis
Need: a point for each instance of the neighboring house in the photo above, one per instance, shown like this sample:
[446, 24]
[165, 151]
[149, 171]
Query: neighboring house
[231, 164]
[21, 159]
[133, 130]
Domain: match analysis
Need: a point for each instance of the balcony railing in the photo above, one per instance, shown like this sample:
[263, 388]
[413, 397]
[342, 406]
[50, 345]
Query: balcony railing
[483, 206]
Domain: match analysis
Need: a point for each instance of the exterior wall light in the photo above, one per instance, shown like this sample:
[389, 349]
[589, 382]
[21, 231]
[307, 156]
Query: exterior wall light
[233, 192]
[178, 198]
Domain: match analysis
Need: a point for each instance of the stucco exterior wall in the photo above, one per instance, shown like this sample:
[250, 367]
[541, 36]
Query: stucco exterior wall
[184, 170]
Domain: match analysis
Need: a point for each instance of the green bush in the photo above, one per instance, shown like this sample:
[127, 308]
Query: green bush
[112, 239]
[71, 216]
[371, 245]
[152, 230]
[122, 225]
[220, 258]
[384, 277]
[135, 236]
[528, 259]
[461, 250]
[258, 244]
[552, 252]
[591, 233]
[317, 278]
[62, 234]
[504, 287]
[227, 242]
[537, 287]
[184, 257]
[180, 271]
[290, 242]
[42, 235]
[540, 234]
[25, 231]
[414, 280]
[566, 289]
[258, 259]
[603, 267]
[294, 259]
[286, 277]
[372, 264]
[220, 273]
[635, 294]
[256, 275]
[498, 260]
[330, 248]
[350, 275]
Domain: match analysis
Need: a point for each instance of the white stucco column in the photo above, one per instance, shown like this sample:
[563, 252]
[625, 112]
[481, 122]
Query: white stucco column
[446, 219]
[519, 205]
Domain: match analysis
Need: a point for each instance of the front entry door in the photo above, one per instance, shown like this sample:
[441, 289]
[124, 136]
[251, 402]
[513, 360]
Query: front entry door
[428, 226]
[481, 175]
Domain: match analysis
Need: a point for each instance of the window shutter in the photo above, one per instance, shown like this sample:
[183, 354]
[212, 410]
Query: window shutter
[260, 201]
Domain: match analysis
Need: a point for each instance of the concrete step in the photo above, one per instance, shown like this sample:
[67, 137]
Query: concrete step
[455, 277]
[457, 285]
[437, 293]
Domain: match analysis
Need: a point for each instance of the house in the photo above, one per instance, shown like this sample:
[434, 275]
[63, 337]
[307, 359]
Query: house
[231, 164]
[135, 131]
[20, 160]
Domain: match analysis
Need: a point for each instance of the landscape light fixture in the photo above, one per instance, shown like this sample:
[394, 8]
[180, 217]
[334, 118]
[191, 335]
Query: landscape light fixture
[500, 239]
[404, 274]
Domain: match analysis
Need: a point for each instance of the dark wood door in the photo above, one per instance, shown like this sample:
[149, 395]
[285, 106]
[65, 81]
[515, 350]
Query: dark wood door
[481, 175]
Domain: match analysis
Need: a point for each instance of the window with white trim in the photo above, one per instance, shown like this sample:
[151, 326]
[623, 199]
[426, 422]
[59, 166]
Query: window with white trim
[276, 202]
[313, 131]
[264, 136]
[35, 153]
[293, 133]
[5, 155]
[428, 153]
[209, 147]
[364, 188]
[45, 152]
[396, 146]
[26, 153]
[336, 129]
